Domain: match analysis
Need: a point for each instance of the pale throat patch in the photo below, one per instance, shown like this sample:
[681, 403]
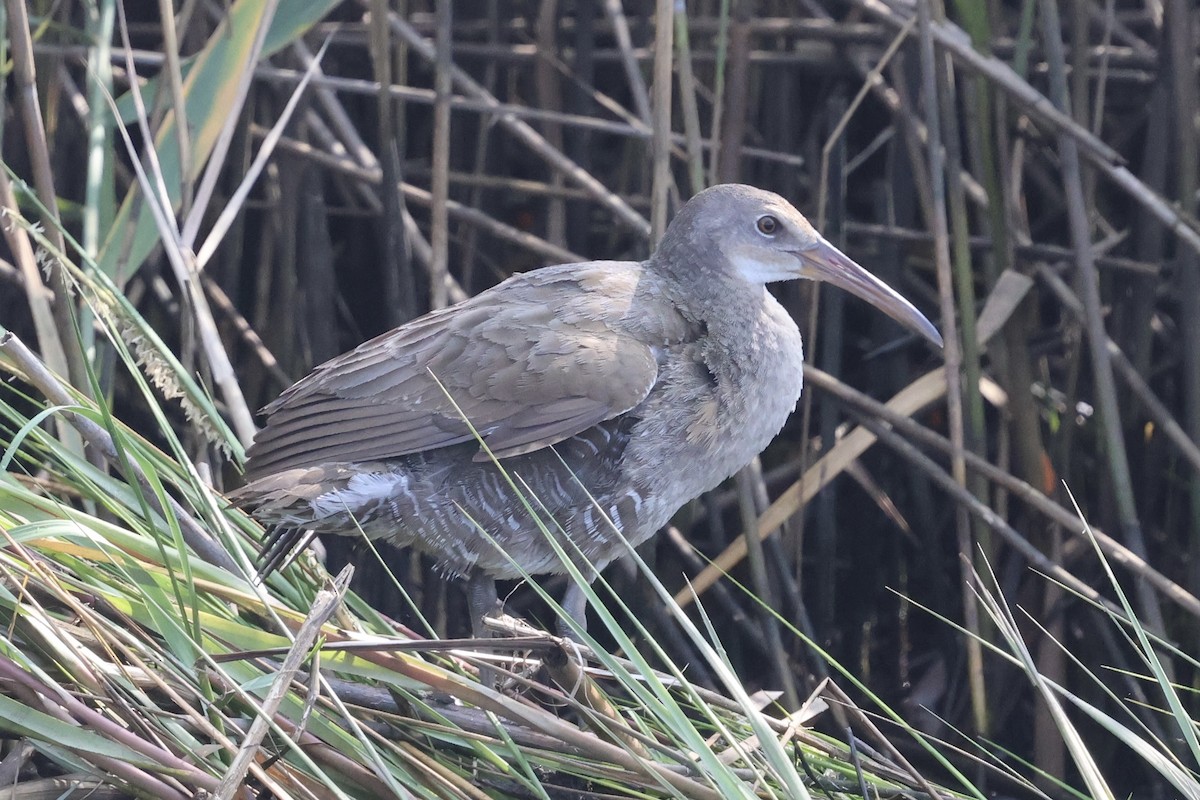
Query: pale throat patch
[761, 265]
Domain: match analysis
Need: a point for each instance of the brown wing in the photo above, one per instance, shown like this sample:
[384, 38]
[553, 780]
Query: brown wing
[529, 363]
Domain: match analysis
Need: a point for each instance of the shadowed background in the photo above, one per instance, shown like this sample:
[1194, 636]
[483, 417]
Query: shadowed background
[1035, 176]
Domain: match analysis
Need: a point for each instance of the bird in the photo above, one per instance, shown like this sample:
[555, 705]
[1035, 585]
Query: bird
[612, 393]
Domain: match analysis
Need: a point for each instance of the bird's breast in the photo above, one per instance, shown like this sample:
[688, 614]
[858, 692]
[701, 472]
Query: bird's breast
[756, 383]
[719, 402]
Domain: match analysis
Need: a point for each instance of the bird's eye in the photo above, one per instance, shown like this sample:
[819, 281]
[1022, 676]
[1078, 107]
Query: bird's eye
[767, 225]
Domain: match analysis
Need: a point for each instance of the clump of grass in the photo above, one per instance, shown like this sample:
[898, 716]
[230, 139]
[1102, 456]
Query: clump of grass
[1150, 722]
[131, 660]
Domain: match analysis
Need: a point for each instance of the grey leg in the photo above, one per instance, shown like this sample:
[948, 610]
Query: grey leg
[574, 605]
[482, 601]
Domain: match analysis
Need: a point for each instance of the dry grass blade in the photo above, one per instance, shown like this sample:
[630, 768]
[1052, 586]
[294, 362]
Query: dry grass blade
[325, 604]
[234, 206]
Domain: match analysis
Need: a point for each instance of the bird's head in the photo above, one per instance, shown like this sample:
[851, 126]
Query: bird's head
[759, 238]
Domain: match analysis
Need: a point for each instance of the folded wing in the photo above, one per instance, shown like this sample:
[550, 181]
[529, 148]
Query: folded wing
[526, 364]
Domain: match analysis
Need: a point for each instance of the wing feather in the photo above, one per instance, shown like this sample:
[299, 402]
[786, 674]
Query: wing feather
[534, 361]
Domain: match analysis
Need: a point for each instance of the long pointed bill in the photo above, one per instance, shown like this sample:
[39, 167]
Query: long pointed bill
[824, 262]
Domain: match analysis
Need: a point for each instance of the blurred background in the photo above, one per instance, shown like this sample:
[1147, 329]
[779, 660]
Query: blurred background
[1025, 171]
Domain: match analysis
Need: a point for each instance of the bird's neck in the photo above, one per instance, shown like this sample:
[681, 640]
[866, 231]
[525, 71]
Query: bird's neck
[716, 297]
